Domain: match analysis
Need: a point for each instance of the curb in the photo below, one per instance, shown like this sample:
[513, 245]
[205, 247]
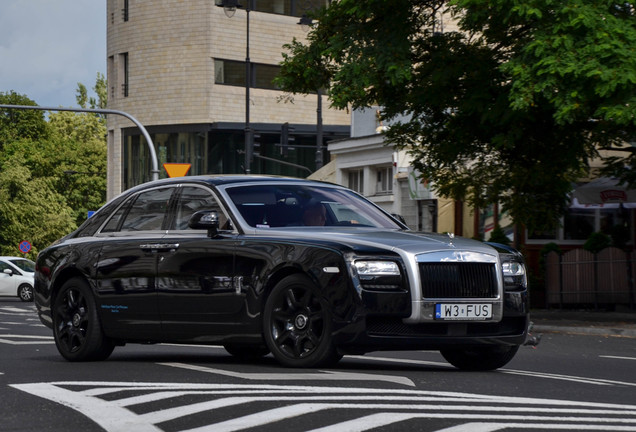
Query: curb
[594, 331]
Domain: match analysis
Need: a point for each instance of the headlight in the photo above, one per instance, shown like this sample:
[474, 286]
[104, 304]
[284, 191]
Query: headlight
[513, 268]
[514, 274]
[376, 275]
[377, 268]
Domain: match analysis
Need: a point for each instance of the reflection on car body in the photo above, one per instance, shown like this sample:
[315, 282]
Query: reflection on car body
[228, 260]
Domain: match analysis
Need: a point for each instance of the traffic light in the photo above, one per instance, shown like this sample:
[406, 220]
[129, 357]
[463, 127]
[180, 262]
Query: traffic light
[256, 144]
[285, 139]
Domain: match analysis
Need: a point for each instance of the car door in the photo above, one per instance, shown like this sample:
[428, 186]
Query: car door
[8, 284]
[198, 295]
[127, 265]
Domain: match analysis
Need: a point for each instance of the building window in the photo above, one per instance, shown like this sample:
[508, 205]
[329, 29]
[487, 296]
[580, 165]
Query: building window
[286, 7]
[124, 11]
[123, 73]
[356, 180]
[232, 72]
[384, 183]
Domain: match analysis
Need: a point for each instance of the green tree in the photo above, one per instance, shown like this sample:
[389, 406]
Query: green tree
[16, 124]
[50, 179]
[508, 109]
[30, 208]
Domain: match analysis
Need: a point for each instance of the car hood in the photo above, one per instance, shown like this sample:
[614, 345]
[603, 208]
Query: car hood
[407, 241]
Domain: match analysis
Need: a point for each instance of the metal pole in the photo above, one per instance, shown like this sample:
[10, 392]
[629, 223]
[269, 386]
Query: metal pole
[319, 161]
[151, 146]
[248, 83]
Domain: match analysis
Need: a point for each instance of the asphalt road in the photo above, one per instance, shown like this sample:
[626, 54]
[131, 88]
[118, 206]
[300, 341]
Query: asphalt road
[569, 382]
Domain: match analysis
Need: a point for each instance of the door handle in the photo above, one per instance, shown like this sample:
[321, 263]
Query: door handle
[160, 247]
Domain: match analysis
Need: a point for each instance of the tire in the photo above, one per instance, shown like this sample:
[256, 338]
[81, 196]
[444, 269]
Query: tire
[480, 358]
[25, 292]
[76, 326]
[246, 352]
[297, 324]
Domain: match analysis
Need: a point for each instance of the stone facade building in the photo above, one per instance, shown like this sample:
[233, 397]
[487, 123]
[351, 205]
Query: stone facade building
[178, 67]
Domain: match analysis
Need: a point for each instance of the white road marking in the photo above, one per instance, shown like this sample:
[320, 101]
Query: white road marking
[618, 357]
[472, 412]
[403, 361]
[12, 309]
[109, 416]
[583, 380]
[289, 376]
[9, 339]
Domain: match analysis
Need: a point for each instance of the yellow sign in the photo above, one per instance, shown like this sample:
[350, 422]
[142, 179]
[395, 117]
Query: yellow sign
[176, 169]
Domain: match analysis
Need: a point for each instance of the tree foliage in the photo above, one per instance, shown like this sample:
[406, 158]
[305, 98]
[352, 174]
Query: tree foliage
[15, 124]
[510, 108]
[49, 180]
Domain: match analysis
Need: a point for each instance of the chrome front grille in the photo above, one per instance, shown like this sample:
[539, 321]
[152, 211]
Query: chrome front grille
[458, 280]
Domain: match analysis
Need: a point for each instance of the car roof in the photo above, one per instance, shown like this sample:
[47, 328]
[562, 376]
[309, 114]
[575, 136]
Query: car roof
[228, 179]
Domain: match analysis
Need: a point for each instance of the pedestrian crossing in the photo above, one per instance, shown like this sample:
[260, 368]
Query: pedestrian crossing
[186, 407]
[18, 325]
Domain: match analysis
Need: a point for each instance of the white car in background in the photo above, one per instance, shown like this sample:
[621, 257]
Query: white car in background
[16, 277]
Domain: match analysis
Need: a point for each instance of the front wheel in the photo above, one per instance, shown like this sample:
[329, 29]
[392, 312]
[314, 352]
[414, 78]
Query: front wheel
[297, 324]
[480, 358]
[25, 292]
[76, 326]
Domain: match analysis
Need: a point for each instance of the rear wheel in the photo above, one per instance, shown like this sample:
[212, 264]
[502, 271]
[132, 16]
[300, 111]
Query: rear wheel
[25, 292]
[76, 326]
[297, 324]
[480, 358]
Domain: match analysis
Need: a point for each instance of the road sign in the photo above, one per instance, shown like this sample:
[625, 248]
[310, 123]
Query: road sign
[25, 246]
[176, 169]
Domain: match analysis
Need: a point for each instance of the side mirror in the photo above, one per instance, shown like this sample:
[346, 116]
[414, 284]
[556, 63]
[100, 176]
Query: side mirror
[8, 271]
[205, 219]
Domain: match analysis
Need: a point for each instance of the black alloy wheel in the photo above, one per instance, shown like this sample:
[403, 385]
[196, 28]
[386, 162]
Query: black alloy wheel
[76, 327]
[297, 324]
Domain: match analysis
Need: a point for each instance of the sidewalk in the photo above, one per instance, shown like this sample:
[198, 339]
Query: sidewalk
[591, 322]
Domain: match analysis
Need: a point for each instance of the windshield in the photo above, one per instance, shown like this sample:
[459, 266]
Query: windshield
[274, 206]
[23, 264]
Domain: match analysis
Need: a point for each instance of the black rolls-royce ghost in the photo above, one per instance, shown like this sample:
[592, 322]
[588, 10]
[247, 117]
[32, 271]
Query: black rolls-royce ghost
[306, 270]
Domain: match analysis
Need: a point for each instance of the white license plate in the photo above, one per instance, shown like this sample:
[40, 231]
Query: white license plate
[463, 311]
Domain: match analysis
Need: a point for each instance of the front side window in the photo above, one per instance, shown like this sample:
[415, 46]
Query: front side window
[24, 264]
[193, 199]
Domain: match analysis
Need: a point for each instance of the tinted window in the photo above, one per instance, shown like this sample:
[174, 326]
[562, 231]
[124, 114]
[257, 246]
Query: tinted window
[143, 212]
[193, 199]
[271, 206]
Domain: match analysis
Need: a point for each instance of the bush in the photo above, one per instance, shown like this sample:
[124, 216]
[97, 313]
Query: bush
[498, 236]
[596, 242]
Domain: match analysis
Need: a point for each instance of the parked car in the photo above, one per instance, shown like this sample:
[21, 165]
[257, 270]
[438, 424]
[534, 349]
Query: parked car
[306, 270]
[16, 277]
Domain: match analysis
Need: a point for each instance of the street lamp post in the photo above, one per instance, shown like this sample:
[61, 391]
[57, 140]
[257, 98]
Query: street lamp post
[229, 7]
[306, 23]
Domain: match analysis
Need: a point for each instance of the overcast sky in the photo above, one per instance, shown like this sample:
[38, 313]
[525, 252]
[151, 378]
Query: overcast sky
[48, 46]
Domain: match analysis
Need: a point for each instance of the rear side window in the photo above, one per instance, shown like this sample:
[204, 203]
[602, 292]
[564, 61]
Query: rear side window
[145, 211]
